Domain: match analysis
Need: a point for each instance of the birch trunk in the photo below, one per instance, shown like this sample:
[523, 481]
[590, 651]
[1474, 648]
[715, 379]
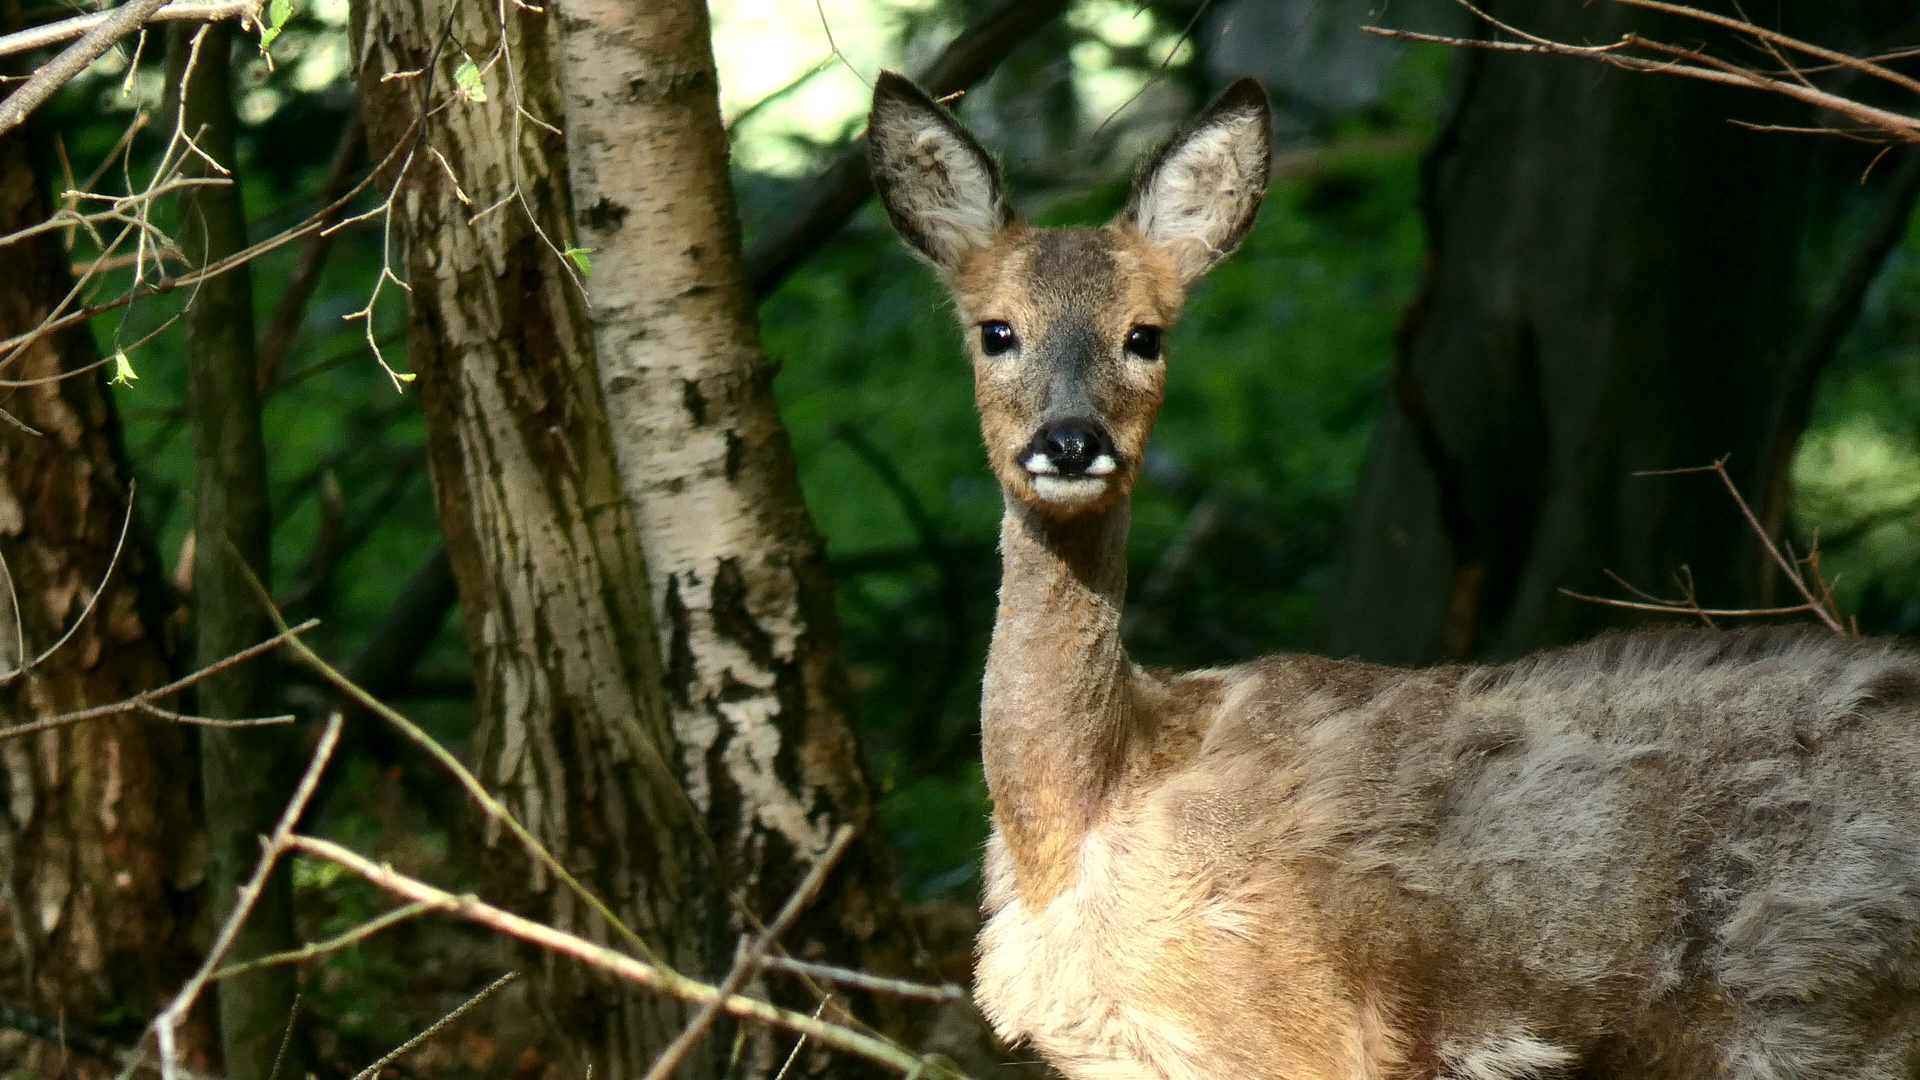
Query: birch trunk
[739, 582]
[574, 734]
[101, 866]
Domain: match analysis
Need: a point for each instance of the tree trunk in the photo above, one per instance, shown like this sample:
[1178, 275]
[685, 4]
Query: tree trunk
[101, 865]
[573, 729]
[246, 772]
[739, 582]
[1609, 290]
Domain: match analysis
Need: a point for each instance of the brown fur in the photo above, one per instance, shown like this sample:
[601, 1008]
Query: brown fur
[1657, 855]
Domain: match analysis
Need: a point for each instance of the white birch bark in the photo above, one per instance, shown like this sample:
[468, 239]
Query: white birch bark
[738, 578]
[573, 730]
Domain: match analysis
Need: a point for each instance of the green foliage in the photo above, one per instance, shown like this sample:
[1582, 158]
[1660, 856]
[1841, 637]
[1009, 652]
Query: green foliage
[466, 79]
[278, 12]
[1857, 473]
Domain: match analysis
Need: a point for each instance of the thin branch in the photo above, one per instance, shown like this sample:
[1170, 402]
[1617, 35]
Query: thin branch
[492, 806]
[145, 699]
[291, 310]
[61, 70]
[65, 30]
[316, 949]
[209, 721]
[1774, 37]
[1690, 609]
[120, 545]
[373, 1070]
[749, 960]
[846, 184]
[11, 347]
[834, 46]
[1903, 127]
[1159, 72]
[165, 1026]
[1719, 468]
[861, 980]
[619, 965]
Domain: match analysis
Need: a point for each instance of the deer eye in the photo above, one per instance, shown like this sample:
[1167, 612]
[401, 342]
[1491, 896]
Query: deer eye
[996, 337]
[1144, 342]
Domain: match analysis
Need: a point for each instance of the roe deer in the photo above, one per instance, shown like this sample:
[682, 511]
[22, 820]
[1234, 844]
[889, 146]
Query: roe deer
[1652, 855]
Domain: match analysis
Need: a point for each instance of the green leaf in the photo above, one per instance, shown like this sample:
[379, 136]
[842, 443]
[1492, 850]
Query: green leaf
[278, 12]
[466, 78]
[123, 372]
[580, 257]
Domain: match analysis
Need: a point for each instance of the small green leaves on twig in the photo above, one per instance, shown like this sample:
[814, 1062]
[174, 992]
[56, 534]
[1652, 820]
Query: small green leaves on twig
[278, 12]
[466, 82]
[123, 372]
[582, 258]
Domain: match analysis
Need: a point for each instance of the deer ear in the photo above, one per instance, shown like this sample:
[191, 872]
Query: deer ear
[940, 188]
[1198, 196]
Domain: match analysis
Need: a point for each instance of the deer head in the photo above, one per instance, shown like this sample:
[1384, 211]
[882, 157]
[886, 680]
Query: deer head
[1067, 327]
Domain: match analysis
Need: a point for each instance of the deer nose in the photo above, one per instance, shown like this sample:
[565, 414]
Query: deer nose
[1070, 448]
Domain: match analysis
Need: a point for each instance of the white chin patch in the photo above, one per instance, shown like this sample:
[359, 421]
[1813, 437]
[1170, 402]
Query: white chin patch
[1069, 491]
[1038, 465]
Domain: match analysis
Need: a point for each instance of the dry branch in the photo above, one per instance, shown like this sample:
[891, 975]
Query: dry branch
[621, 966]
[404, 1048]
[166, 1025]
[65, 30]
[143, 702]
[11, 347]
[1697, 64]
[1821, 605]
[846, 184]
[115, 28]
[750, 958]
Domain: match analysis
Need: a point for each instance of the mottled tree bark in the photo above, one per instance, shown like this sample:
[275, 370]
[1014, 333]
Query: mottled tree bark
[246, 772]
[101, 864]
[573, 729]
[1609, 289]
[739, 583]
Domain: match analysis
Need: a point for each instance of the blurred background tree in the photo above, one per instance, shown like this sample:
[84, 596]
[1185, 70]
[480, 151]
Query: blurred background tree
[1484, 290]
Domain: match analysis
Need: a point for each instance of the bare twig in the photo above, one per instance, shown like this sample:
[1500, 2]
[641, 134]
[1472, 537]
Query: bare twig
[1160, 71]
[55, 322]
[125, 524]
[209, 721]
[1820, 605]
[144, 701]
[61, 70]
[1690, 609]
[292, 307]
[861, 980]
[165, 1026]
[619, 965]
[316, 949]
[65, 30]
[373, 1070]
[749, 959]
[1773, 37]
[1719, 468]
[476, 790]
[1687, 63]
[847, 183]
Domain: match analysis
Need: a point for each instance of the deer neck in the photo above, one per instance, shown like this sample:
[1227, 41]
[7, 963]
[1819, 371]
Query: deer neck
[1055, 711]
